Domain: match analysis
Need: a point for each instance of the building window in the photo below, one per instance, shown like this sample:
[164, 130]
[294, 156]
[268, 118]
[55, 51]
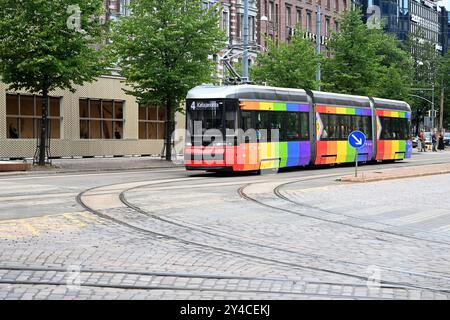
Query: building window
[299, 18]
[239, 18]
[277, 13]
[271, 8]
[101, 119]
[336, 5]
[251, 29]
[308, 21]
[327, 26]
[328, 5]
[226, 22]
[288, 16]
[152, 122]
[24, 113]
[207, 4]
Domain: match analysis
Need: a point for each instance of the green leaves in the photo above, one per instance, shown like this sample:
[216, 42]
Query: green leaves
[163, 48]
[37, 42]
[291, 65]
[366, 61]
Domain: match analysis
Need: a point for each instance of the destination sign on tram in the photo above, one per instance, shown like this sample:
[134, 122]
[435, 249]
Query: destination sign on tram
[200, 105]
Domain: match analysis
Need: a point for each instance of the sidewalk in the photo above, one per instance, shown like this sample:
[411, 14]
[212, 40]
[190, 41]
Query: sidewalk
[94, 165]
[398, 173]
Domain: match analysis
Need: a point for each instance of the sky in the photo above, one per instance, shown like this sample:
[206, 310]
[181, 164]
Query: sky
[445, 3]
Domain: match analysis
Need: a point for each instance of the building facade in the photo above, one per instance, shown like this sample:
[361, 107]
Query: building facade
[444, 29]
[98, 119]
[276, 19]
[423, 18]
[232, 22]
[281, 18]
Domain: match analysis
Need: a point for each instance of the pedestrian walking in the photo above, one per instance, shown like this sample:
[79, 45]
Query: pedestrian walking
[422, 141]
[441, 145]
[434, 140]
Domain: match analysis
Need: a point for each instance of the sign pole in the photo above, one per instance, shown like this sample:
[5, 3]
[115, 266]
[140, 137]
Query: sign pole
[356, 139]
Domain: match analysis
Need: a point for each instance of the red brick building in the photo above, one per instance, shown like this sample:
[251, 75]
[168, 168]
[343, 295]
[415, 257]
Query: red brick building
[277, 19]
[281, 17]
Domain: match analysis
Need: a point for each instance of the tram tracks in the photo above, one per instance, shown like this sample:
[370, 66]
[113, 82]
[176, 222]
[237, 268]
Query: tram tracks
[172, 281]
[213, 233]
[241, 244]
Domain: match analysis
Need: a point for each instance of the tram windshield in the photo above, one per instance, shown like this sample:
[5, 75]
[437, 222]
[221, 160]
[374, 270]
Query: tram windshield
[207, 115]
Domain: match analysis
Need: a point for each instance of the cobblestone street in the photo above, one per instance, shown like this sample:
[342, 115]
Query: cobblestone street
[169, 234]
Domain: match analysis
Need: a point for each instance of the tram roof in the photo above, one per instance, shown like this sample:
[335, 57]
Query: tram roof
[391, 104]
[248, 92]
[340, 99]
[253, 92]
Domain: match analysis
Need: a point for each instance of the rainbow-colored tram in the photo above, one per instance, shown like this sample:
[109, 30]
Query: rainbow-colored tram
[251, 128]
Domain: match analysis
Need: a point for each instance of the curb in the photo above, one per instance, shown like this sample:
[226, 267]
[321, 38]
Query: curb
[99, 170]
[392, 177]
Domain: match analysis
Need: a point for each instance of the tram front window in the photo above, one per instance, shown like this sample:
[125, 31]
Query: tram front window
[204, 116]
[209, 120]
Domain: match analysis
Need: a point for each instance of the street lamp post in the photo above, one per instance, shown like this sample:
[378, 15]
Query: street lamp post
[318, 31]
[432, 108]
[246, 42]
[431, 102]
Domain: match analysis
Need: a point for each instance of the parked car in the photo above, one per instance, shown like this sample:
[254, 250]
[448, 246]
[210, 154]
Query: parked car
[415, 142]
[447, 138]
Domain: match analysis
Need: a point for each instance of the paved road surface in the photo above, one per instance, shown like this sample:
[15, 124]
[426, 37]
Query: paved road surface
[170, 234]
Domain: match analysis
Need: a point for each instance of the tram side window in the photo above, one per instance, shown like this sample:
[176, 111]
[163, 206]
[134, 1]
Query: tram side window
[339, 127]
[262, 126]
[364, 125]
[230, 116]
[293, 126]
[394, 128]
[304, 126]
[297, 127]
[246, 120]
[276, 126]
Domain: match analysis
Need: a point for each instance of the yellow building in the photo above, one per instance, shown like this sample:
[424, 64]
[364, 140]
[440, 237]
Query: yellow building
[98, 119]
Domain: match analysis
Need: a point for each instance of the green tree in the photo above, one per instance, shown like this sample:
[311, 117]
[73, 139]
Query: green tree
[48, 45]
[163, 50]
[366, 61]
[354, 65]
[395, 69]
[425, 61]
[444, 84]
[291, 65]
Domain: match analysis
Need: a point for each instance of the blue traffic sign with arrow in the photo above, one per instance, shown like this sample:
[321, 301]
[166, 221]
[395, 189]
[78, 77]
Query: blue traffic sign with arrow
[357, 139]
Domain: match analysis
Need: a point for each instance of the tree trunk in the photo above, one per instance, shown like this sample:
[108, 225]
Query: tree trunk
[417, 127]
[417, 122]
[169, 129]
[441, 115]
[44, 128]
